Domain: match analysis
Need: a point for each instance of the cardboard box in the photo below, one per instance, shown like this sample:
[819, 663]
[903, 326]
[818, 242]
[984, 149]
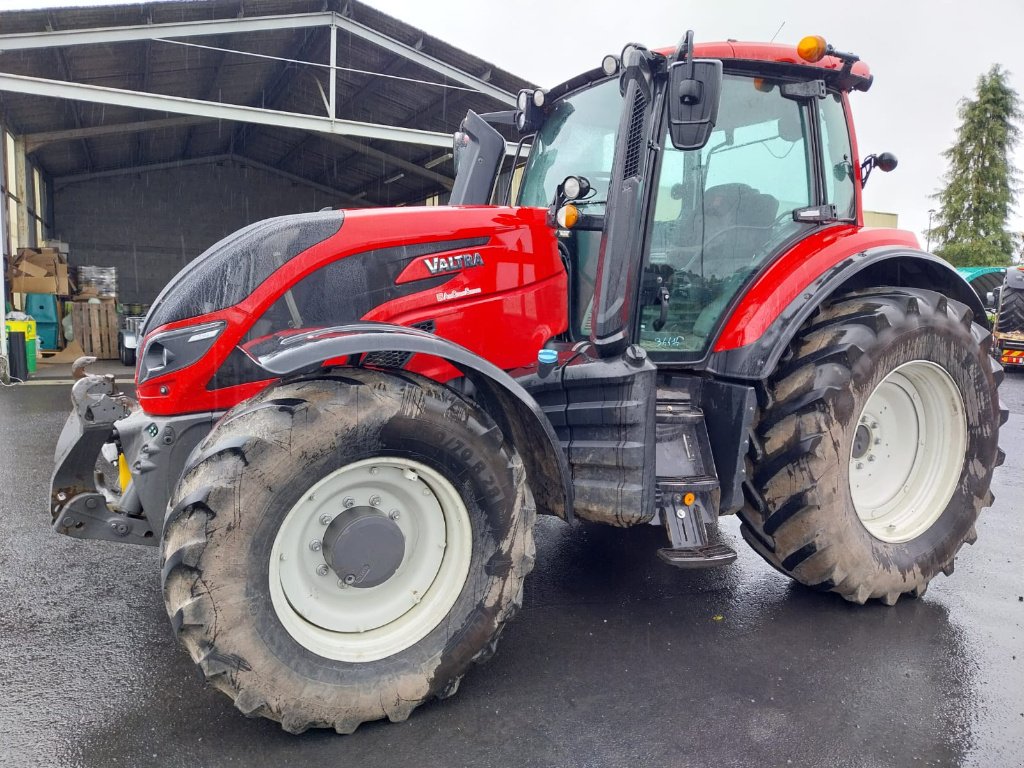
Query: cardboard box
[63, 285]
[30, 269]
[21, 284]
[39, 270]
[84, 294]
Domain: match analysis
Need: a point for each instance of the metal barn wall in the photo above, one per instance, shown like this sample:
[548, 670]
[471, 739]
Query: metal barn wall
[149, 225]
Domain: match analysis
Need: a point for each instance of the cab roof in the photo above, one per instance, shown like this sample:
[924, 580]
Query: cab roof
[775, 53]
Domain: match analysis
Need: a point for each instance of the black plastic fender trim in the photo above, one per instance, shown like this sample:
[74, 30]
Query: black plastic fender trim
[515, 411]
[896, 266]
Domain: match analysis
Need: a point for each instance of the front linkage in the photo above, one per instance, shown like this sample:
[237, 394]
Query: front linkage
[115, 465]
[80, 509]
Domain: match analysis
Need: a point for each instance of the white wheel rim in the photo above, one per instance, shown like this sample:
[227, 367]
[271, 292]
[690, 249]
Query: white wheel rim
[908, 451]
[349, 623]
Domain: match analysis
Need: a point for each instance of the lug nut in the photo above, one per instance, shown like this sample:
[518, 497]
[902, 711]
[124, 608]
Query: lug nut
[322, 570]
[871, 457]
[374, 470]
[350, 579]
[315, 545]
[393, 514]
[325, 519]
[342, 584]
[860, 465]
[375, 501]
[348, 501]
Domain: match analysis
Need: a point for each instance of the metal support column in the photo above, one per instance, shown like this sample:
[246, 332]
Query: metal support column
[4, 375]
[333, 73]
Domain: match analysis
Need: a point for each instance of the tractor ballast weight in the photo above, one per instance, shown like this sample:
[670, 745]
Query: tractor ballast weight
[346, 421]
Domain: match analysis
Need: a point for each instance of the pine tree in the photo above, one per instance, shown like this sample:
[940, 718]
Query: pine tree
[980, 181]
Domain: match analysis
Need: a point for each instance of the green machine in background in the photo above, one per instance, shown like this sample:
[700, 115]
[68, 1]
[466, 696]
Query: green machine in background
[985, 281]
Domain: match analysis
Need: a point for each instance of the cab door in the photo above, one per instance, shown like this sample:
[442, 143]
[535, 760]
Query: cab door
[723, 212]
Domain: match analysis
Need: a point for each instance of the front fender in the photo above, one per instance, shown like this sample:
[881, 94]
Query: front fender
[892, 265]
[513, 409]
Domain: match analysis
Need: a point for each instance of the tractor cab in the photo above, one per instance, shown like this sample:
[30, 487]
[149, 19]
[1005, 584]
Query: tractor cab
[770, 156]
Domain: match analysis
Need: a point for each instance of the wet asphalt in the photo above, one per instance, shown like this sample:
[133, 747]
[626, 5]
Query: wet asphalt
[615, 660]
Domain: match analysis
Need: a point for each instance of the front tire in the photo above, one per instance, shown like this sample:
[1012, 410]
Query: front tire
[296, 622]
[875, 446]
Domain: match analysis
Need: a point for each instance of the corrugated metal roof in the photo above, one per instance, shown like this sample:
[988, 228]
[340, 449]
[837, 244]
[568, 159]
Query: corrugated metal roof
[163, 67]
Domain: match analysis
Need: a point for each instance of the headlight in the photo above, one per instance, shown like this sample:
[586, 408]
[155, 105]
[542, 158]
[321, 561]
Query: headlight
[174, 350]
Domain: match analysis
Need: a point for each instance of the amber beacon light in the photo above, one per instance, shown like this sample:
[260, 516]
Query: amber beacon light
[812, 48]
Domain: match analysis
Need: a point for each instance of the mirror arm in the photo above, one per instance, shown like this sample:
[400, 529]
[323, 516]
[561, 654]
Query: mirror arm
[866, 168]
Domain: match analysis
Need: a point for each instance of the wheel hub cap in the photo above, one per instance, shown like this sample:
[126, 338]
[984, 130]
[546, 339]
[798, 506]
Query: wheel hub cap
[363, 547]
[370, 559]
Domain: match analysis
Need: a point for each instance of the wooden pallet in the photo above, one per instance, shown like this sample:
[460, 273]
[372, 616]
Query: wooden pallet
[95, 328]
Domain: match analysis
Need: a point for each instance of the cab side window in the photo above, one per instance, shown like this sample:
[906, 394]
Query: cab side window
[840, 175]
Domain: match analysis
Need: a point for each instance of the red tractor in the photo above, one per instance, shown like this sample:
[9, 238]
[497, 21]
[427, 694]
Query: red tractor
[347, 420]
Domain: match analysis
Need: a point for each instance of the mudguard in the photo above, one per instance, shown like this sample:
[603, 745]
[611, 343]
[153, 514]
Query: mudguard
[515, 411]
[898, 266]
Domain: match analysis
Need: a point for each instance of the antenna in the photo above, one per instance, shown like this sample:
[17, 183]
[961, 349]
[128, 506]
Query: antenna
[777, 32]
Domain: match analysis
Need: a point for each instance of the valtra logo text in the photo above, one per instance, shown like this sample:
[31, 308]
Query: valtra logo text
[440, 264]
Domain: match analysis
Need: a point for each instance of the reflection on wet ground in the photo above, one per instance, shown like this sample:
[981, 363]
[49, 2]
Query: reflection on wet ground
[616, 658]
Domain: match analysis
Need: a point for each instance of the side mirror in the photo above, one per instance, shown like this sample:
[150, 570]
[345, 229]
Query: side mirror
[885, 162]
[990, 299]
[694, 92]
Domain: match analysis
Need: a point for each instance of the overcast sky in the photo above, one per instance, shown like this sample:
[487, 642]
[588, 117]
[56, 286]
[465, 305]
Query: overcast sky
[925, 54]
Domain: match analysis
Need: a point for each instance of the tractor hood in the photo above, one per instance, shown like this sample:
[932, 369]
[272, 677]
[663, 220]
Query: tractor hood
[476, 275]
[233, 269]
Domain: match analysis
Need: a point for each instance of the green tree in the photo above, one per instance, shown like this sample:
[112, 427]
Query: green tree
[981, 182]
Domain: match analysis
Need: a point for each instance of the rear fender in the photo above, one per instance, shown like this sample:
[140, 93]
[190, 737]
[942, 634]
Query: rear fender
[898, 266]
[512, 408]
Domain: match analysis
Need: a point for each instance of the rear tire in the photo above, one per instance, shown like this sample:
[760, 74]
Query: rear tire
[874, 449]
[248, 588]
[1011, 310]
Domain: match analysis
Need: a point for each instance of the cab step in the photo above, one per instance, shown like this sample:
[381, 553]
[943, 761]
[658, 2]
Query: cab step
[708, 556]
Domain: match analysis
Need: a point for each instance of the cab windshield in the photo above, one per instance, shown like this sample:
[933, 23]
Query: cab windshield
[577, 139]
